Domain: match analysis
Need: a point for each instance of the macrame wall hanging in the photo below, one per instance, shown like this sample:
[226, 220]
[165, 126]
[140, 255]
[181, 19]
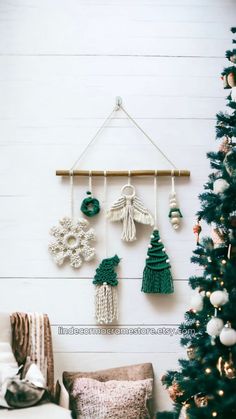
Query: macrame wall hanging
[72, 237]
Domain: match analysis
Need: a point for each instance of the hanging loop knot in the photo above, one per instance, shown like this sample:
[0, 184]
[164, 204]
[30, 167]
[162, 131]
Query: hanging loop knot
[129, 187]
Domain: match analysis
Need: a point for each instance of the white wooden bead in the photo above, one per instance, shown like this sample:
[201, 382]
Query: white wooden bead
[175, 220]
[175, 214]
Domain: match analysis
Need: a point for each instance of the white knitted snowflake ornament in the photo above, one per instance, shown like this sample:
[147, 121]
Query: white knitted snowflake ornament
[71, 242]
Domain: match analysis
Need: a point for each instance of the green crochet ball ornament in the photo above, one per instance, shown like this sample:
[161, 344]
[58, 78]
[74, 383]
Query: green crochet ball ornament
[90, 206]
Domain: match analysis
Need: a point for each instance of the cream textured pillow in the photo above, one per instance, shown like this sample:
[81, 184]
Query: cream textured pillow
[111, 399]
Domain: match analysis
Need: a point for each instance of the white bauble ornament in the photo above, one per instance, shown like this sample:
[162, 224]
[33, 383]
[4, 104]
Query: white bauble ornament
[219, 298]
[220, 186]
[214, 326]
[228, 336]
[196, 302]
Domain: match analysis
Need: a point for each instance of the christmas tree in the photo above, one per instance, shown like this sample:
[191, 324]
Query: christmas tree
[205, 384]
[156, 275]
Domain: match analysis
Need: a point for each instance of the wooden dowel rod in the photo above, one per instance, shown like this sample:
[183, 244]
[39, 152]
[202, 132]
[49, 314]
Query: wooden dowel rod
[185, 173]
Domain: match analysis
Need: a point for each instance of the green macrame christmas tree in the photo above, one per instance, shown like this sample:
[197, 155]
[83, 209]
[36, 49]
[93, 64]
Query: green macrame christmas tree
[157, 275]
[105, 272]
[106, 307]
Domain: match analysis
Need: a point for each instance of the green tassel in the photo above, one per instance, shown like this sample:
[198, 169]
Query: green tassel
[157, 276]
[158, 282]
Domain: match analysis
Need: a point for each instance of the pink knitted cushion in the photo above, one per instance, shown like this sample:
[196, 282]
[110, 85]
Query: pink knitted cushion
[111, 399]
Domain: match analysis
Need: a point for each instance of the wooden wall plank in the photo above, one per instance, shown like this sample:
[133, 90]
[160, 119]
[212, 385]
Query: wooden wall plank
[75, 133]
[56, 68]
[71, 301]
[47, 105]
[147, 29]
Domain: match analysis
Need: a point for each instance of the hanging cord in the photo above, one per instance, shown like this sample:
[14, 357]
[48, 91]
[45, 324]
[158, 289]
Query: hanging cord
[115, 109]
[90, 183]
[105, 207]
[129, 178]
[172, 182]
[93, 138]
[147, 136]
[72, 194]
[155, 200]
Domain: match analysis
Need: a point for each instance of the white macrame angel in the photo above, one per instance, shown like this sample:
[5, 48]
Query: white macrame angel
[129, 208]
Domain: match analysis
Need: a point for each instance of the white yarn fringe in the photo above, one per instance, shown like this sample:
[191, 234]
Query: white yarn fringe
[106, 303]
[129, 229]
[116, 215]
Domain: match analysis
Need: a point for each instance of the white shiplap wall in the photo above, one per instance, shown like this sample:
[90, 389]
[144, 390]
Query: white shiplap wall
[62, 62]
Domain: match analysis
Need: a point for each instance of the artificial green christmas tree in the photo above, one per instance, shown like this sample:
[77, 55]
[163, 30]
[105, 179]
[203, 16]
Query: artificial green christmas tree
[156, 275]
[205, 385]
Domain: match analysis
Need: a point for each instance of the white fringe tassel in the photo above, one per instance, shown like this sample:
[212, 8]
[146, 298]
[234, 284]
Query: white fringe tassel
[129, 229]
[106, 303]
